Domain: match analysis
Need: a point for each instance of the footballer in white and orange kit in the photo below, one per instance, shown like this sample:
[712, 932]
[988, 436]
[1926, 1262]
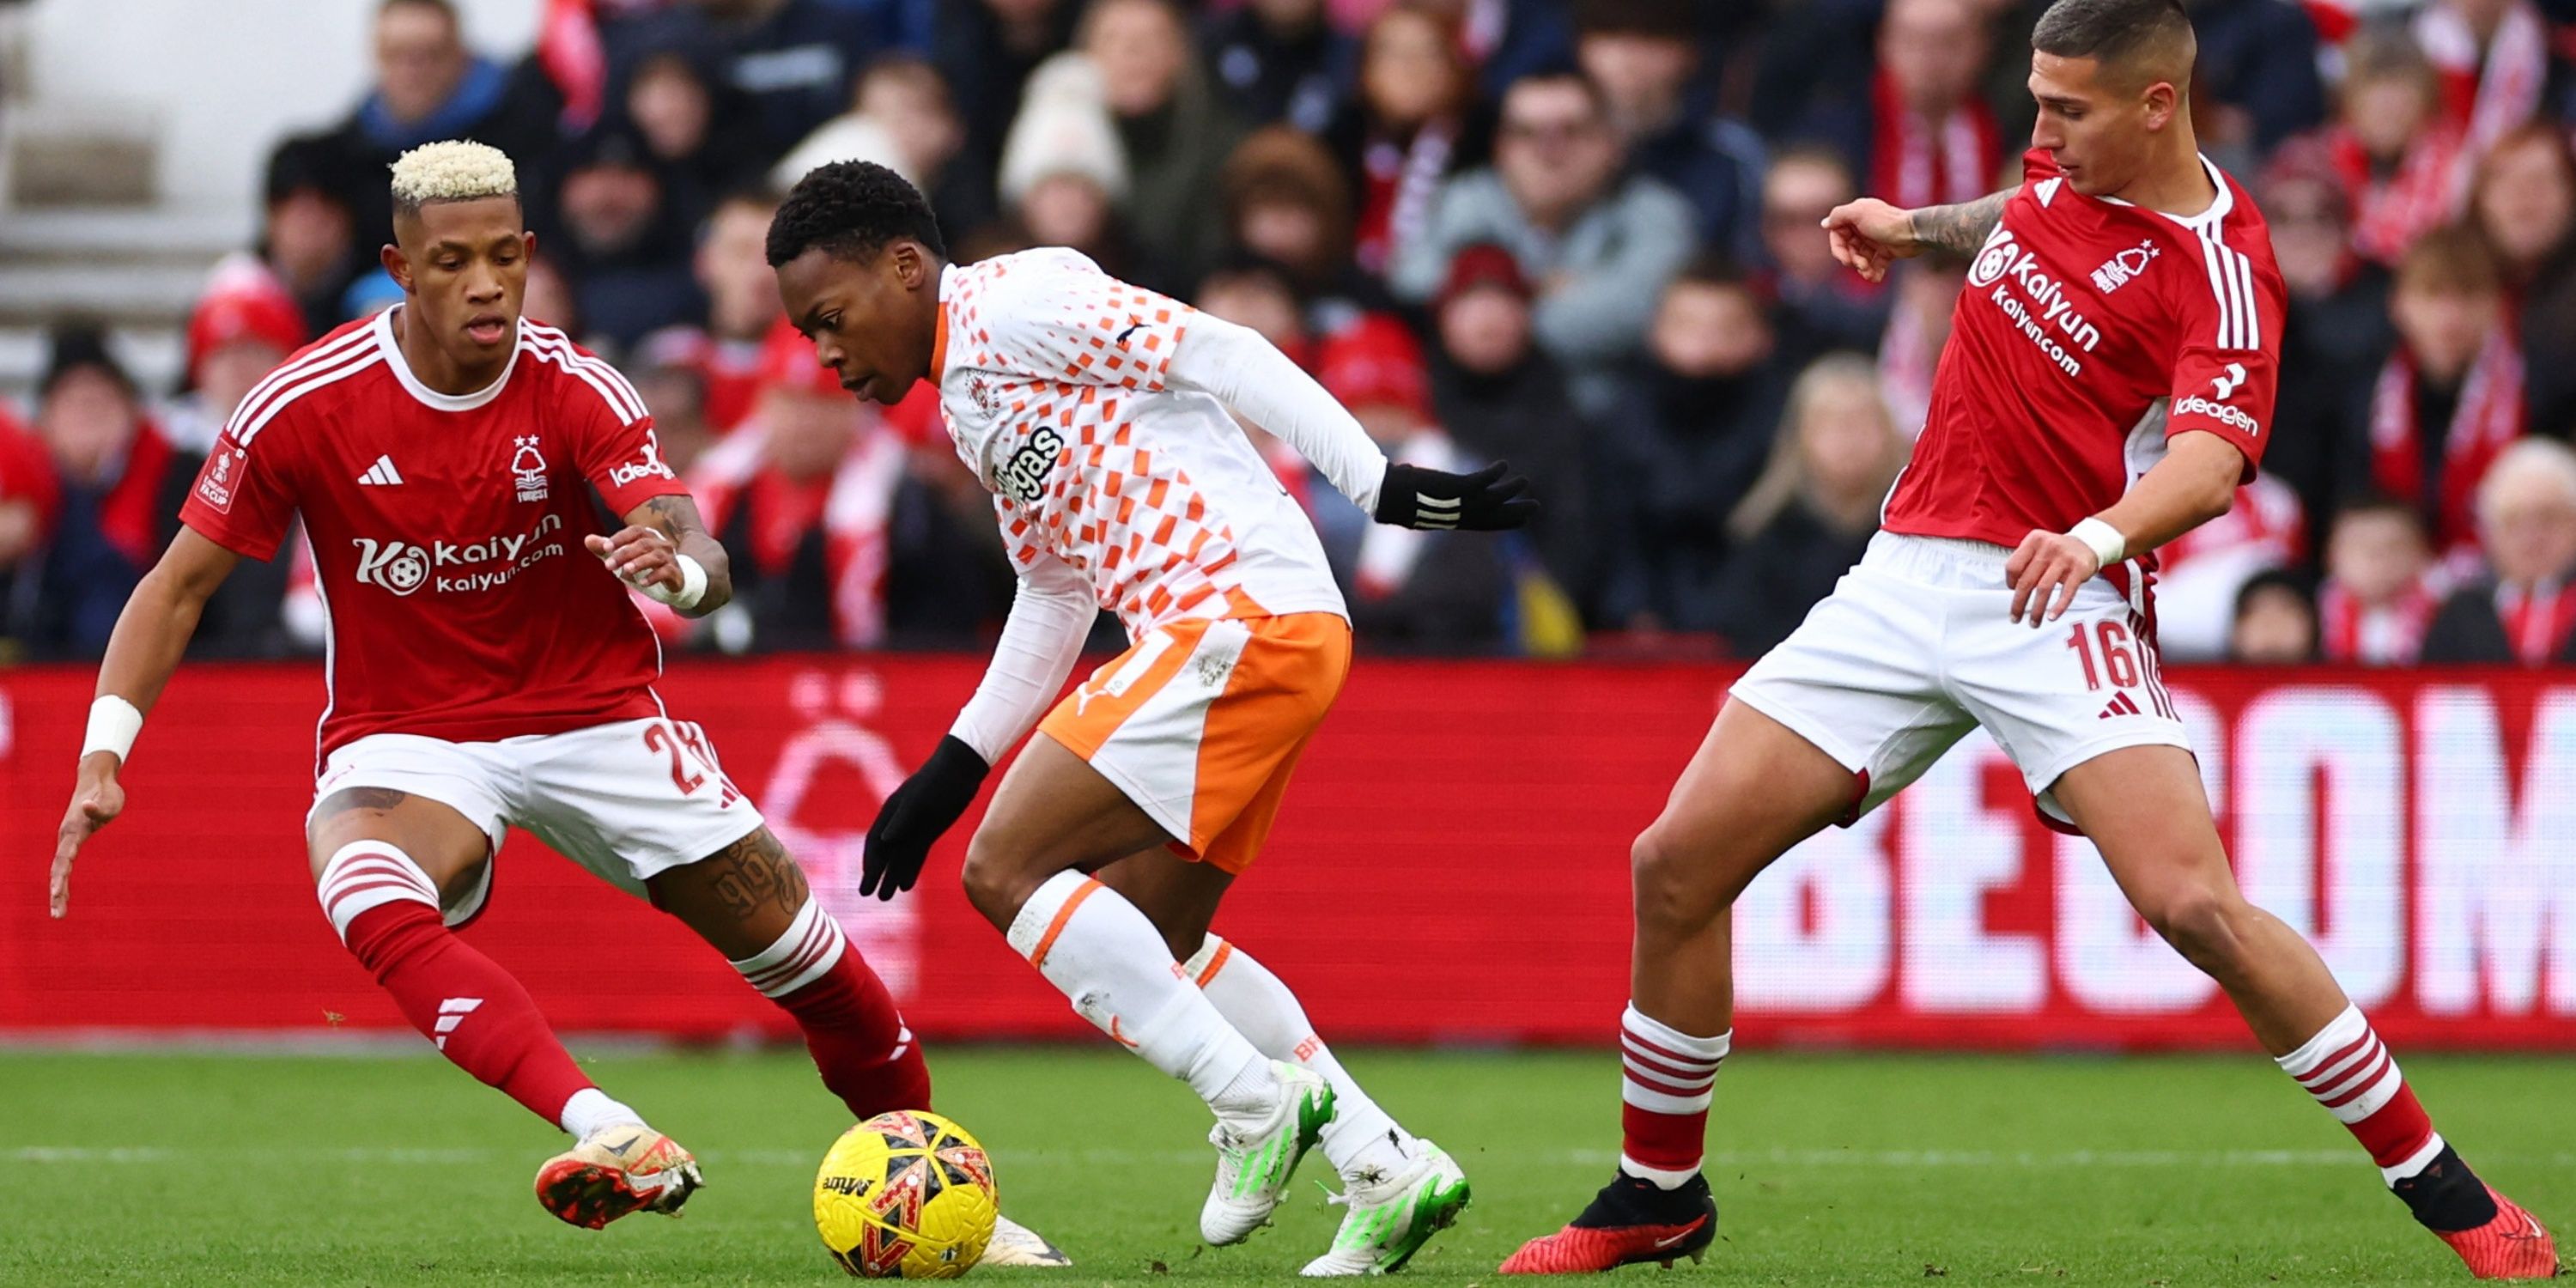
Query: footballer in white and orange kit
[1101, 416]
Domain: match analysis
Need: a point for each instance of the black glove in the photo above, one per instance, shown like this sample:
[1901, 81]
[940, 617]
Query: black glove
[1486, 501]
[913, 819]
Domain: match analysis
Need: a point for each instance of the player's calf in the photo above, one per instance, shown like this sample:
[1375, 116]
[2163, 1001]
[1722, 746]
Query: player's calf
[859, 1041]
[385, 909]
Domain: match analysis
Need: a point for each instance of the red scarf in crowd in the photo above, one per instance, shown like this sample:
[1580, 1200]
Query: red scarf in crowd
[852, 508]
[2536, 621]
[1914, 162]
[2489, 417]
[2429, 188]
[2491, 90]
[1397, 182]
[2390, 634]
[129, 516]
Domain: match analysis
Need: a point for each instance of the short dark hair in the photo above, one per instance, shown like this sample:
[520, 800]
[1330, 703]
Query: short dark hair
[2120, 32]
[851, 210]
[1654, 19]
[1718, 269]
[1561, 72]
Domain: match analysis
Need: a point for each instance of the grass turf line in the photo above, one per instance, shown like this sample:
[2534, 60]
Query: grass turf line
[217, 1169]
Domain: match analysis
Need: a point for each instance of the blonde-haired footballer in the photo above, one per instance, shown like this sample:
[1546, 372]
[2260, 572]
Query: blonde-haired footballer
[1097, 412]
[487, 670]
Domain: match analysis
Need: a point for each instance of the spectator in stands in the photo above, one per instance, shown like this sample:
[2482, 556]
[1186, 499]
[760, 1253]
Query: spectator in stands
[1598, 244]
[2255, 76]
[1506, 40]
[792, 61]
[2493, 60]
[429, 86]
[1811, 513]
[2201, 570]
[1645, 55]
[901, 116]
[1279, 61]
[2276, 624]
[1681, 448]
[2523, 609]
[119, 496]
[2449, 401]
[2526, 206]
[815, 499]
[1175, 133]
[1926, 137]
[1504, 400]
[702, 141]
[29, 501]
[308, 234]
[1250, 291]
[1413, 123]
[731, 266]
[549, 298]
[1823, 305]
[1285, 201]
[1440, 590]
[243, 327]
[1064, 177]
[2398, 157]
[669, 376]
[2333, 341]
[1926, 293]
[989, 50]
[622, 246]
[2380, 591]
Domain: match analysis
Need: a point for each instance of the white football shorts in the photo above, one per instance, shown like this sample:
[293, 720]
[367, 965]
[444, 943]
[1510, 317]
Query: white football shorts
[625, 800]
[1914, 648]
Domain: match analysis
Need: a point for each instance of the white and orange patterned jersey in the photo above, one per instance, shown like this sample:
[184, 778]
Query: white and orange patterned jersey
[1053, 384]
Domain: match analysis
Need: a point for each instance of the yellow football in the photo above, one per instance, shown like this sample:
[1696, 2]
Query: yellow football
[906, 1195]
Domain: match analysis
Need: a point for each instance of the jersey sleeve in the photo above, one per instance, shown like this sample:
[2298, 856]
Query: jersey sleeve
[244, 496]
[615, 446]
[2227, 368]
[1081, 326]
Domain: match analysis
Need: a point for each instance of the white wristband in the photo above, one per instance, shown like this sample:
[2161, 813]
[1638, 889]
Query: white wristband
[2109, 547]
[113, 723]
[693, 585]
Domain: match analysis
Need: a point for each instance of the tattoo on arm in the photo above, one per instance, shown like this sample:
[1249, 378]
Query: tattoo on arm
[672, 516]
[1962, 228]
[755, 872]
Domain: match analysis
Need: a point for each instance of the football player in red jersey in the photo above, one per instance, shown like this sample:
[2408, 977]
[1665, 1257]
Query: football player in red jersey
[485, 673]
[2107, 387]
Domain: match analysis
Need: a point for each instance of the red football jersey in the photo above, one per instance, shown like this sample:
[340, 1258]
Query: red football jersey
[446, 532]
[2090, 331]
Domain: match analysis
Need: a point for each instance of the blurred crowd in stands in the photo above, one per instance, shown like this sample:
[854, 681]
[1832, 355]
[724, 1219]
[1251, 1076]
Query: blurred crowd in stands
[1578, 234]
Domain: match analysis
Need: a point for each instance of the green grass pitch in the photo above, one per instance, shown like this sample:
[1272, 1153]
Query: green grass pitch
[154, 1168]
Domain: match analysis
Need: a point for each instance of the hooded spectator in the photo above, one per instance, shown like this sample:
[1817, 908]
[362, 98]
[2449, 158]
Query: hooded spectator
[1413, 121]
[2522, 610]
[2397, 156]
[622, 246]
[1504, 400]
[1278, 61]
[1425, 589]
[2276, 623]
[1175, 133]
[2526, 206]
[1598, 244]
[1682, 447]
[1824, 306]
[1812, 512]
[2380, 588]
[1064, 179]
[119, 494]
[1646, 56]
[308, 233]
[1285, 201]
[2449, 401]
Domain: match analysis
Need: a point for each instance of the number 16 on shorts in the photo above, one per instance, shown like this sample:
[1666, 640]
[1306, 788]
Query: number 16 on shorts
[2113, 656]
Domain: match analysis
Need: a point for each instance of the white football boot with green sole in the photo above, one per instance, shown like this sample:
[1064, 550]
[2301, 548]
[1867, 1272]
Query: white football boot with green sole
[1391, 1217]
[1252, 1169]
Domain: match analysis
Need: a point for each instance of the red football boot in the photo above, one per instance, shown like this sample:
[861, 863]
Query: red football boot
[1630, 1222]
[2512, 1246]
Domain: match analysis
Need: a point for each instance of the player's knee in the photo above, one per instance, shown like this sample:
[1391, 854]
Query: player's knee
[1671, 884]
[996, 883]
[2205, 925]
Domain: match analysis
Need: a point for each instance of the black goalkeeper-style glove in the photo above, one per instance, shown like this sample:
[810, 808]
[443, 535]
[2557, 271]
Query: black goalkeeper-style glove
[1488, 500]
[914, 818]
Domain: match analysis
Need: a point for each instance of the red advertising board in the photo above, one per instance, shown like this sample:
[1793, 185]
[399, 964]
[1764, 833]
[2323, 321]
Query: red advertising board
[1451, 866]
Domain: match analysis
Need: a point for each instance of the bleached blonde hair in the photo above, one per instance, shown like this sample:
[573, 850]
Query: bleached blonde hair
[452, 170]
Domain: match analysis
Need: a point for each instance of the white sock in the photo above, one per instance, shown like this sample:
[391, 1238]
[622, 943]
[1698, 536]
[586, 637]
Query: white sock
[590, 1109]
[1361, 1137]
[1109, 959]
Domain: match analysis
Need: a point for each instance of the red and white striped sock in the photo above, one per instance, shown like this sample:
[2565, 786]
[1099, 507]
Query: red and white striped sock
[1667, 1079]
[858, 1039]
[386, 910]
[2350, 1072]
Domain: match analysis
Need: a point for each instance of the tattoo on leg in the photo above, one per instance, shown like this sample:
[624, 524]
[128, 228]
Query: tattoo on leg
[754, 871]
[354, 798]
